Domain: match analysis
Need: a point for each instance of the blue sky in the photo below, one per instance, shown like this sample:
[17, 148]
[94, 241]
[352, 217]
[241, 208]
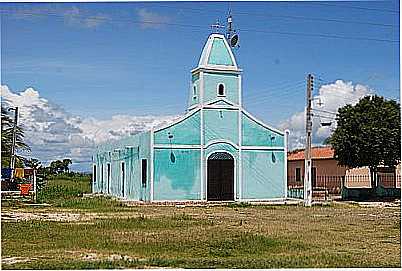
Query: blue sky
[115, 64]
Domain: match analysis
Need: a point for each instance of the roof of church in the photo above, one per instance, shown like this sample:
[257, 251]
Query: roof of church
[217, 54]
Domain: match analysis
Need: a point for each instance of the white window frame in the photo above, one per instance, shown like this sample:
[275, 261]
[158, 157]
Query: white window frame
[195, 91]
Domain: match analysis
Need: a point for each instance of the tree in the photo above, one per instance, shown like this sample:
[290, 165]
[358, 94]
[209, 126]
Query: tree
[33, 163]
[60, 166]
[7, 138]
[66, 163]
[368, 134]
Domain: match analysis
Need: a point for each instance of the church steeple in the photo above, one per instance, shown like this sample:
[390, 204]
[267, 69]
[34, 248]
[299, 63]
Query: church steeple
[217, 54]
[217, 75]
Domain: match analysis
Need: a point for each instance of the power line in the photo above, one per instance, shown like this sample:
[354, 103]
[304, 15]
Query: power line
[203, 27]
[319, 35]
[353, 7]
[324, 111]
[324, 117]
[289, 17]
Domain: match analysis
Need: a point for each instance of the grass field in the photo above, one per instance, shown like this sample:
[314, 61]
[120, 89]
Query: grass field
[76, 233]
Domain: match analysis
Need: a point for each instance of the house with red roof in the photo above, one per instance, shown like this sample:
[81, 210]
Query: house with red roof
[326, 173]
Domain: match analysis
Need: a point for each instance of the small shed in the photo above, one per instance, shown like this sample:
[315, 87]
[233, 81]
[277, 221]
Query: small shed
[217, 151]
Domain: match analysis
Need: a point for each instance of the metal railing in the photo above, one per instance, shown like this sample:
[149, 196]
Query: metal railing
[332, 185]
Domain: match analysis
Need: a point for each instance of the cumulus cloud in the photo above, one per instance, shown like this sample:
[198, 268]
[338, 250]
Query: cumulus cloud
[329, 99]
[52, 133]
[151, 19]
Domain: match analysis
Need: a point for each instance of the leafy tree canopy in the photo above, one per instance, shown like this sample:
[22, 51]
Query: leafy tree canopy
[368, 133]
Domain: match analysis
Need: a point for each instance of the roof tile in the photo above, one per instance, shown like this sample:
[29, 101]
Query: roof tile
[316, 153]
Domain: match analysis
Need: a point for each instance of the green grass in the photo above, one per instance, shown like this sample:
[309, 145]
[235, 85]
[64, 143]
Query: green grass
[232, 236]
[64, 188]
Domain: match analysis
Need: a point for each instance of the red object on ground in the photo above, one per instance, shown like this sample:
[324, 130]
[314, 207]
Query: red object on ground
[24, 189]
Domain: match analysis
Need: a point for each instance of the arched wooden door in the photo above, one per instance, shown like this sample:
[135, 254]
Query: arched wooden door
[220, 177]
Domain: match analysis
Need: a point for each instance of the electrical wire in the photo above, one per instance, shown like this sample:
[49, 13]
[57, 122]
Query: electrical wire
[284, 16]
[324, 111]
[319, 35]
[353, 7]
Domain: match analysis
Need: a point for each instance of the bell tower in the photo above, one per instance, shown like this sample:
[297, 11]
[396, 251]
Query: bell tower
[216, 79]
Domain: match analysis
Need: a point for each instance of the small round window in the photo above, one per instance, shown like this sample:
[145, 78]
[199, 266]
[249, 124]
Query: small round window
[221, 90]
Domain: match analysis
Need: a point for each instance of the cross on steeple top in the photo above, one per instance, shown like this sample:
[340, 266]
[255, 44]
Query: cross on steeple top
[216, 27]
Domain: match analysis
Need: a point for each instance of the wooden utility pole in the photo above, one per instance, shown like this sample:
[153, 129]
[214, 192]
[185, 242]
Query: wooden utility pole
[308, 191]
[12, 162]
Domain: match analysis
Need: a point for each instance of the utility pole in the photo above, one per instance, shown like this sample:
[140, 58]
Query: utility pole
[12, 160]
[308, 191]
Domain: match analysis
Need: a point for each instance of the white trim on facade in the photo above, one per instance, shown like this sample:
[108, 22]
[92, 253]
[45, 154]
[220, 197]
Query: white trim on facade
[151, 165]
[172, 146]
[207, 51]
[261, 122]
[221, 107]
[220, 69]
[178, 120]
[190, 108]
[285, 175]
[240, 134]
[217, 141]
[201, 100]
[219, 99]
[262, 148]
[234, 174]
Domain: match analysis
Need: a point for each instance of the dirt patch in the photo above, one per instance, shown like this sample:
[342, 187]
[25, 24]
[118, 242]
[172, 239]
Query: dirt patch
[14, 260]
[380, 204]
[58, 217]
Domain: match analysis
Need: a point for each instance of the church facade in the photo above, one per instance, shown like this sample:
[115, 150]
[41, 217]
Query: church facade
[217, 151]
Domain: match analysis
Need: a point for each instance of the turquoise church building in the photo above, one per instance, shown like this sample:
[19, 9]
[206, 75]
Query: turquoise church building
[217, 151]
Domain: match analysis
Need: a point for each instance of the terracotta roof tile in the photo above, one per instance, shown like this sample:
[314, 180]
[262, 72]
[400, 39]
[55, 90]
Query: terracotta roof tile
[316, 153]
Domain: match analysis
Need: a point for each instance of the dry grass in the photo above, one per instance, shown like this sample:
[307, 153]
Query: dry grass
[340, 235]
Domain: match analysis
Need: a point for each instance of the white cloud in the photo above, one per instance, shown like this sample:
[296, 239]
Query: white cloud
[52, 133]
[74, 16]
[151, 19]
[330, 98]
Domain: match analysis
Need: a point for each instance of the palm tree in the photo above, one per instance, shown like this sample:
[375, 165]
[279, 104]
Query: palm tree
[7, 138]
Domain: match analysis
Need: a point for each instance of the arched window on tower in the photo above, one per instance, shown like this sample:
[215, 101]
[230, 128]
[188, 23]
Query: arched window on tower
[221, 90]
[194, 92]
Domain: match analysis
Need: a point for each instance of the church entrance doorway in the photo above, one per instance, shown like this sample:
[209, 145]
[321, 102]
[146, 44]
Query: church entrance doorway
[220, 177]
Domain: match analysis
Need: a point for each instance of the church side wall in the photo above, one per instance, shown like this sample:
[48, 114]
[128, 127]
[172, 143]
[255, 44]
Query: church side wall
[177, 160]
[130, 151]
[177, 174]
